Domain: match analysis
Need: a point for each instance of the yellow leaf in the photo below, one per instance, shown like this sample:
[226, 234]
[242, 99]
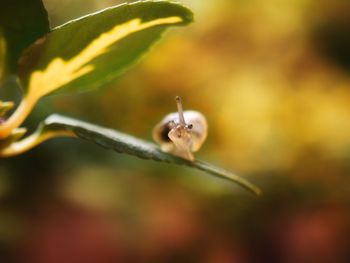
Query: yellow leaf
[60, 72]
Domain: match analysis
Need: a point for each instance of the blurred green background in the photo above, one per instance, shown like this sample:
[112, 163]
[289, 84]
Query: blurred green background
[272, 78]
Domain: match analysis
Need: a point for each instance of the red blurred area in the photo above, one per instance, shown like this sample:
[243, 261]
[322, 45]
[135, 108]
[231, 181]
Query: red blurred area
[63, 232]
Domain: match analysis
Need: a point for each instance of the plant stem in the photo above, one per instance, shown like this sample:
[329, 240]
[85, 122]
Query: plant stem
[16, 119]
[33, 140]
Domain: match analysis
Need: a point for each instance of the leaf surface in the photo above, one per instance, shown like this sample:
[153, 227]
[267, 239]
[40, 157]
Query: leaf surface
[124, 143]
[90, 51]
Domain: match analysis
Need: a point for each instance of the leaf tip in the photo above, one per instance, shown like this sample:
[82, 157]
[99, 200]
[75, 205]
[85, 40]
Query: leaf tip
[186, 14]
[258, 192]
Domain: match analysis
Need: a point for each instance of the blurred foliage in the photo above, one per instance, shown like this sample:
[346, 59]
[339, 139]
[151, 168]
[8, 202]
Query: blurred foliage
[272, 78]
[23, 30]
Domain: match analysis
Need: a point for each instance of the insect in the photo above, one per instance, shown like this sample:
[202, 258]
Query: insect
[181, 133]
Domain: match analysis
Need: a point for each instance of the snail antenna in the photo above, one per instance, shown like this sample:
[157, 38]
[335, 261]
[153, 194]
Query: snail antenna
[180, 110]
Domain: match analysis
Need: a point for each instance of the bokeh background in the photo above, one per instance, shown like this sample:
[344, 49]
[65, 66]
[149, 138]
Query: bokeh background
[273, 79]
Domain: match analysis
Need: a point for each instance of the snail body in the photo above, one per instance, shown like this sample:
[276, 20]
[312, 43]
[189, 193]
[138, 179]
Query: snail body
[181, 133]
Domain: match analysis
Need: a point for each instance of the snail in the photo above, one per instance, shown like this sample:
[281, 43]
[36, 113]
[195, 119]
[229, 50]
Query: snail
[181, 133]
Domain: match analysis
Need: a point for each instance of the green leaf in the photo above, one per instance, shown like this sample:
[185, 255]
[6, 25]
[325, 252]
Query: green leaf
[124, 143]
[86, 53]
[23, 22]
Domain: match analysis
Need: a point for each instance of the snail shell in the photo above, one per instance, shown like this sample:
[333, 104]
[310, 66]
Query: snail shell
[181, 133]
